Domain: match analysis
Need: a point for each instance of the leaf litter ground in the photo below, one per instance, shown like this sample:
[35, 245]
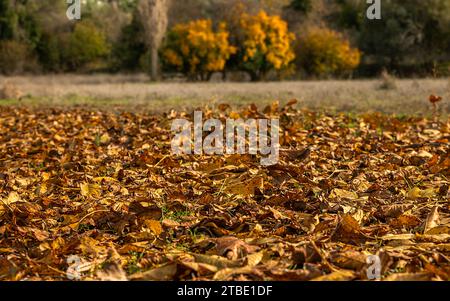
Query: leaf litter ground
[97, 195]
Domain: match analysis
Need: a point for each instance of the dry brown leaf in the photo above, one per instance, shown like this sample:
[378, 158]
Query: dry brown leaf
[409, 277]
[348, 231]
[233, 248]
[405, 221]
[432, 220]
[226, 273]
[217, 261]
[112, 272]
[341, 275]
[349, 260]
[438, 230]
[163, 273]
[341, 193]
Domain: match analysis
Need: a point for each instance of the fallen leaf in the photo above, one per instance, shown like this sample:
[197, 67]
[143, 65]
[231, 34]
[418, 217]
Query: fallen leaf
[342, 275]
[341, 193]
[409, 277]
[432, 220]
[154, 226]
[348, 231]
[163, 273]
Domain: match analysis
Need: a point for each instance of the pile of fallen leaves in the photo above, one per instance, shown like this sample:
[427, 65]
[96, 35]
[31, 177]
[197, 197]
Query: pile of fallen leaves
[98, 195]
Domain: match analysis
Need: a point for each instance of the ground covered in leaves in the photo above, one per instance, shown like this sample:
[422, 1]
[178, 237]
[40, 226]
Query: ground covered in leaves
[98, 195]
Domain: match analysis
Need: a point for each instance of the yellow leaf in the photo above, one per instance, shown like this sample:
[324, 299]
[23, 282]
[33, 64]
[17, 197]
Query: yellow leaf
[105, 139]
[88, 190]
[398, 237]
[13, 197]
[154, 226]
[438, 230]
[234, 115]
[99, 179]
[58, 138]
[341, 193]
[414, 193]
[342, 275]
[46, 176]
[409, 277]
[254, 259]
[429, 193]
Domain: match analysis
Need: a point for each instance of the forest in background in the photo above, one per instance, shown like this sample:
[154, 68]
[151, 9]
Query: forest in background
[310, 39]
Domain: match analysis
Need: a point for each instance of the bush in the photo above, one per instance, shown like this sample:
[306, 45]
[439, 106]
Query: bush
[265, 45]
[388, 81]
[196, 50]
[323, 52]
[49, 52]
[13, 57]
[85, 45]
[8, 20]
[304, 6]
[130, 48]
[414, 33]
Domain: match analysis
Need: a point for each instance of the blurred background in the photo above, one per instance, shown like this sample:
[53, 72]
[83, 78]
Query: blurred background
[118, 47]
[252, 39]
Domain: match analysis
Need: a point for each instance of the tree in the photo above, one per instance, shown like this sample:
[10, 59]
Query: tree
[85, 45]
[153, 15]
[13, 57]
[265, 44]
[412, 34]
[303, 6]
[130, 49]
[8, 20]
[196, 50]
[323, 52]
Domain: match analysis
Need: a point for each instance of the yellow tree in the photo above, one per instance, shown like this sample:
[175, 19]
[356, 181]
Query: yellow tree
[265, 44]
[323, 52]
[196, 50]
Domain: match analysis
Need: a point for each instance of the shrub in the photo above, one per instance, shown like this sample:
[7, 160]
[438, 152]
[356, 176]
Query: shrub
[130, 48]
[265, 44]
[304, 6]
[387, 81]
[13, 57]
[85, 45]
[196, 50]
[49, 52]
[8, 20]
[324, 52]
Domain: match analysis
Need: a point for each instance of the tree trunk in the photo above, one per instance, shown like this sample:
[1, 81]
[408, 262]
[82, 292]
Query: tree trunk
[154, 72]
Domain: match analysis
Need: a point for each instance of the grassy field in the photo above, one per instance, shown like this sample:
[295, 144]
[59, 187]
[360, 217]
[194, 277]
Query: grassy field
[405, 96]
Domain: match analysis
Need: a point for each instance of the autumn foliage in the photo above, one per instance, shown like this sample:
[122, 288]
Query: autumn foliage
[104, 189]
[197, 50]
[324, 52]
[262, 44]
[265, 44]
